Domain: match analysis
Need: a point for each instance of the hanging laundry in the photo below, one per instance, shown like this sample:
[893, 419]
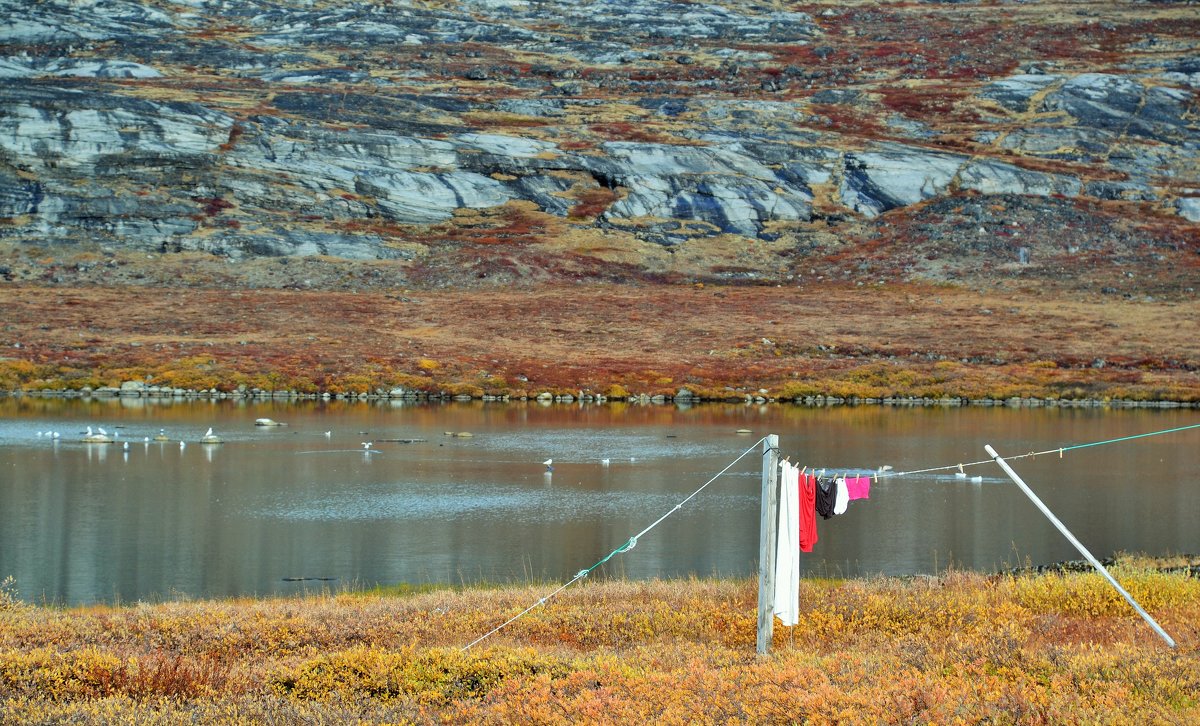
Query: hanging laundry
[858, 487]
[842, 498]
[787, 548]
[808, 511]
[826, 495]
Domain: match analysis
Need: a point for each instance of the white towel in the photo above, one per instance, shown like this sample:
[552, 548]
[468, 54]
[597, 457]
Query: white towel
[787, 549]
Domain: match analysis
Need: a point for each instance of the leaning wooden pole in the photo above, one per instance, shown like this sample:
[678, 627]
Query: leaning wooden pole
[768, 534]
[1078, 545]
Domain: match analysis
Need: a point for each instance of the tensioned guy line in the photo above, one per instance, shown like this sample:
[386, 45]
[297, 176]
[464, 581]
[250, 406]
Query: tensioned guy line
[630, 543]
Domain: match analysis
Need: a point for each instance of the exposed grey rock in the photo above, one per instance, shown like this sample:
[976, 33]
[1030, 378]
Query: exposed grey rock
[44, 127]
[548, 191]
[71, 68]
[55, 22]
[296, 243]
[1016, 93]
[994, 177]
[86, 155]
[420, 198]
[18, 196]
[1189, 208]
[874, 182]
[1067, 142]
[1129, 191]
[1118, 103]
[730, 191]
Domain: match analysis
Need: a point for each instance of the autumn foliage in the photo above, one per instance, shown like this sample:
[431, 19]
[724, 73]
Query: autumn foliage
[971, 647]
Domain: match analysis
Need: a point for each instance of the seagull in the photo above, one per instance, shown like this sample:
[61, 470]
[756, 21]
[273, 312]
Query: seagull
[100, 430]
[604, 462]
[328, 434]
[39, 434]
[125, 446]
[208, 433]
[88, 432]
[146, 439]
[54, 435]
[548, 463]
[182, 444]
[366, 445]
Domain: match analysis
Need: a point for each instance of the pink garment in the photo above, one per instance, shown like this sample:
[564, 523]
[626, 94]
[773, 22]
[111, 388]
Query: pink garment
[858, 487]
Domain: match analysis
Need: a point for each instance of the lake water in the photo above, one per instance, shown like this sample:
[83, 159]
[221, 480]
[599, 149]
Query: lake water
[288, 509]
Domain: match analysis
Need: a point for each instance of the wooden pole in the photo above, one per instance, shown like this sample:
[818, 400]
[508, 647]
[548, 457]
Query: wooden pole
[1078, 545]
[768, 525]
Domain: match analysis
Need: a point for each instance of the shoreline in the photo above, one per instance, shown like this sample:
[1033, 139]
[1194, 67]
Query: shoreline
[163, 395]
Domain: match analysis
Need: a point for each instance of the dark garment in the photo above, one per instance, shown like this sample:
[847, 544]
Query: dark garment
[826, 494]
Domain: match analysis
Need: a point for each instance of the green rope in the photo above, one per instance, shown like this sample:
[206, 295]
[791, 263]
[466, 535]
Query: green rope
[1059, 450]
[1128, 438]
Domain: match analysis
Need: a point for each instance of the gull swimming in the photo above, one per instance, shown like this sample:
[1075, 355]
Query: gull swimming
[548, 463]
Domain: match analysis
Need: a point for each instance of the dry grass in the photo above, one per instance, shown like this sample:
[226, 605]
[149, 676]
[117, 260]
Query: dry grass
[838, 339]
[967, 647]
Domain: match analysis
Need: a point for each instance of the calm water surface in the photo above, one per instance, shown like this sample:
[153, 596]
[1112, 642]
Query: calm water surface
[288, 509]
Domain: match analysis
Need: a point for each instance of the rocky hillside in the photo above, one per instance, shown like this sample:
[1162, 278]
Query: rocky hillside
[491, 141]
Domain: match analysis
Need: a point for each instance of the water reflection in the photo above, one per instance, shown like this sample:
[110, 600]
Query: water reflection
[87, 522]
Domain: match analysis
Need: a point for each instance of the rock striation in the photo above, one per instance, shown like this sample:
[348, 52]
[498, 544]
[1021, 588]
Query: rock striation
[247, 128]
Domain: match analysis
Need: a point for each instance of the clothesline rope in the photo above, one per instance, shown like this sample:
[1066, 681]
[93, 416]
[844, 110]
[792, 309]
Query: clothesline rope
[630, 543]
[625, 547]
[1059, 450]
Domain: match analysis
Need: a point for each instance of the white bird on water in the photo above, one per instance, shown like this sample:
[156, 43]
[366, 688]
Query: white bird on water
[604, 462]
[100, 430]
[208, 433]
[182, 445]
[548, 464]
[88, 432]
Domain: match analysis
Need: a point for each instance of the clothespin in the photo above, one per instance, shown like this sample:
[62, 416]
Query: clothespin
[1060, 453]
[804, 469]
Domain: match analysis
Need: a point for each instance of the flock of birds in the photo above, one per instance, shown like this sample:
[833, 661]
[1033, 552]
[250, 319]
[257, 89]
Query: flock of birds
[99, 435]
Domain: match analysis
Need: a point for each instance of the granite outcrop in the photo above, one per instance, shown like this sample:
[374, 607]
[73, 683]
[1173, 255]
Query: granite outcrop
[364, 131]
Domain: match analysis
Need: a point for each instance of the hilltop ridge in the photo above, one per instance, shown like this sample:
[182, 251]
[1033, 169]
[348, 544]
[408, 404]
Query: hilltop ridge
[472, 143]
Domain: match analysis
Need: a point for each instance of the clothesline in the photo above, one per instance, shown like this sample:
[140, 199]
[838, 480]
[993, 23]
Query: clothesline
[1059, 451]
[630, 543]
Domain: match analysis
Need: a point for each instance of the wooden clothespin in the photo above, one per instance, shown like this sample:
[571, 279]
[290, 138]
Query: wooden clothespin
[1060, 453]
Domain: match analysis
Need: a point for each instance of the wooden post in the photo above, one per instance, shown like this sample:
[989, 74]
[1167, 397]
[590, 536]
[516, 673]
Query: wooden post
[768, 534]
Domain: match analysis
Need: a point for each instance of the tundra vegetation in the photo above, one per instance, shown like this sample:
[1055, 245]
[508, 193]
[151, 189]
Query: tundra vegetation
[1014, 648]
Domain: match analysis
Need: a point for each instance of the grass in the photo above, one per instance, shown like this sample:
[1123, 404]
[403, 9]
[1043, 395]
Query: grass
[959, 647]
[718, 341]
